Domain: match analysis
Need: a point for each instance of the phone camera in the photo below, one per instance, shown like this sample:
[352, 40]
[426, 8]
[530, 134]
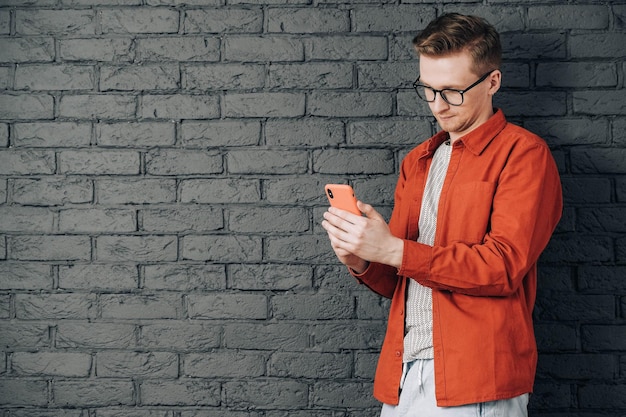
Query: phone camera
[330, 193]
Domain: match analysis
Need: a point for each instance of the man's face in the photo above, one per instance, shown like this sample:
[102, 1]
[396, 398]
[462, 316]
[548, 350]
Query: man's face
[455, 71]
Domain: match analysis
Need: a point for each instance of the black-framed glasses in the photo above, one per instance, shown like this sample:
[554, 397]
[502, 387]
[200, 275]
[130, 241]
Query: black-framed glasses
[451, 96]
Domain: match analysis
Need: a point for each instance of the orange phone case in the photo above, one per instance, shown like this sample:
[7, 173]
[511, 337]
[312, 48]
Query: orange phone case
[342, 196]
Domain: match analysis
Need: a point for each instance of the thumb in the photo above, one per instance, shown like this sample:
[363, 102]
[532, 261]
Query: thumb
[368, 210]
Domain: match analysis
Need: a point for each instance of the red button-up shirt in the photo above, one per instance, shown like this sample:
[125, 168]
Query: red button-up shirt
[499, 205]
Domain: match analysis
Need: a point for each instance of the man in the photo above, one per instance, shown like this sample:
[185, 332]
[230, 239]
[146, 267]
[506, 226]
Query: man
[475, 205]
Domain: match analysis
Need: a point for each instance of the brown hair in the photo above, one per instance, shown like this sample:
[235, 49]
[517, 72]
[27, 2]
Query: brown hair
[454, 32]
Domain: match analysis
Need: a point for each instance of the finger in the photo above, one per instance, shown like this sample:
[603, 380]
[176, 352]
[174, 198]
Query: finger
[369, 211]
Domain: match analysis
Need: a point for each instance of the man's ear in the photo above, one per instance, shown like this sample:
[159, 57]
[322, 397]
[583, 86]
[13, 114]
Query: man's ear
[495, 80]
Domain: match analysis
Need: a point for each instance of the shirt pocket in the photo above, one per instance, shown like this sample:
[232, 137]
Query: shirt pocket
[469, 211]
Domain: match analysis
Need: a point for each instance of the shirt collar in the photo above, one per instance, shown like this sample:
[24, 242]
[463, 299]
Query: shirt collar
[475, 141]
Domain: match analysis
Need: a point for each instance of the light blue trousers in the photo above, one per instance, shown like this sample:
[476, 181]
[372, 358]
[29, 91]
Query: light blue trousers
[417, 398]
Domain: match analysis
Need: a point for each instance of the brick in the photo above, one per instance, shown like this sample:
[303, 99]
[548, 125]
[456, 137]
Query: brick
[576, 74]
[262, 49]
[369, 306]
[618, 130]
[264, 394]
[5, 314]
[227, 306]
[602, 395]
[386, 74]
[349, 394]
[136, 248]
[138, 306]
[227, 20]
[96, 49]
[24, 107]
[599, 102]
[52, 134]
[334, 337]
[54, 77]
[597, 45]
[405, 18]
[51, 191]
[101, 107]
[131, 135]
[23, 392]
[25, 276]
[532, 103]
[353, 161]
[301, 249]
[100, 162]
[183, 162]
[97, 220]
[26, 219]
[621, 189]
[218, 191]
[64, 364]
[179, 106]
[181, 392]
[602, 338]
[26, 162]
[139, 20]
[506, 18]
[603, 279]
[92, 393]
[308, 20]
[608, 219]
[312, 307]
[218, 364]
[115, 364]
[5, 22]
[144, 77]
[187, 48]
[391, 132]
[350, 104]
[16, 335]
[184, 277]
[568, 17]
[576, 307]
[550, 395]
[232, 248]
[46, 413]
[555, 337]
[4, 135]
[304, 132]
[409, 104]
[95, 335]
[586, 190]
[314, 75]
[62, 22]
[268, 220]
[267, 161]
[529, 46]
[565, 131]
[180, 335]
[49, 248]
[263, 105]
[365, 365]
[276, 277]
[95, 276]
[220, 133]
[341, 47]
[31, 49]
[266, 336]
[598, 161]
[182, 219]
[135, 191]
[302, 191]
[55, 306]
[223, 77]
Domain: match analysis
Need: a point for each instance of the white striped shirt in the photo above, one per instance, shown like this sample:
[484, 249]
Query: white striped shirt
[418, 339]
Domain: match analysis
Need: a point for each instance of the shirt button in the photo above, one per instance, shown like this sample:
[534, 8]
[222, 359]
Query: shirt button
[398, 353]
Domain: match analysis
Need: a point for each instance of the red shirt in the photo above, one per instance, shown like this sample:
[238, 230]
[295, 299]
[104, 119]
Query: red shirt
[499, 205]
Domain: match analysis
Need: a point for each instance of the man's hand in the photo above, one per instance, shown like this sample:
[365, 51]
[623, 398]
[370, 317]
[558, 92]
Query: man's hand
[358, 240]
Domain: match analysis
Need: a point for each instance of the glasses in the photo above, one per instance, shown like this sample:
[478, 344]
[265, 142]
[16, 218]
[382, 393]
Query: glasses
[450, 95]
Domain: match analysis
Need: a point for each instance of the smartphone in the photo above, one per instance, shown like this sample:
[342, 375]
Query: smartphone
[342, 196]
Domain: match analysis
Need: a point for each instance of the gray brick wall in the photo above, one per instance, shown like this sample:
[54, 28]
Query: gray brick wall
[161, 173]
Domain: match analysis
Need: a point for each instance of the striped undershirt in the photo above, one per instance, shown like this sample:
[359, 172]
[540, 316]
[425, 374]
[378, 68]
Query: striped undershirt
[418, 339]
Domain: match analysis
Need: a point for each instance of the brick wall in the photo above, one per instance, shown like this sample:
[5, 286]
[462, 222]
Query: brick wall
[161, 173]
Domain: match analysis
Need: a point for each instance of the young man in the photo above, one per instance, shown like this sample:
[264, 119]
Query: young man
[475, 205]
